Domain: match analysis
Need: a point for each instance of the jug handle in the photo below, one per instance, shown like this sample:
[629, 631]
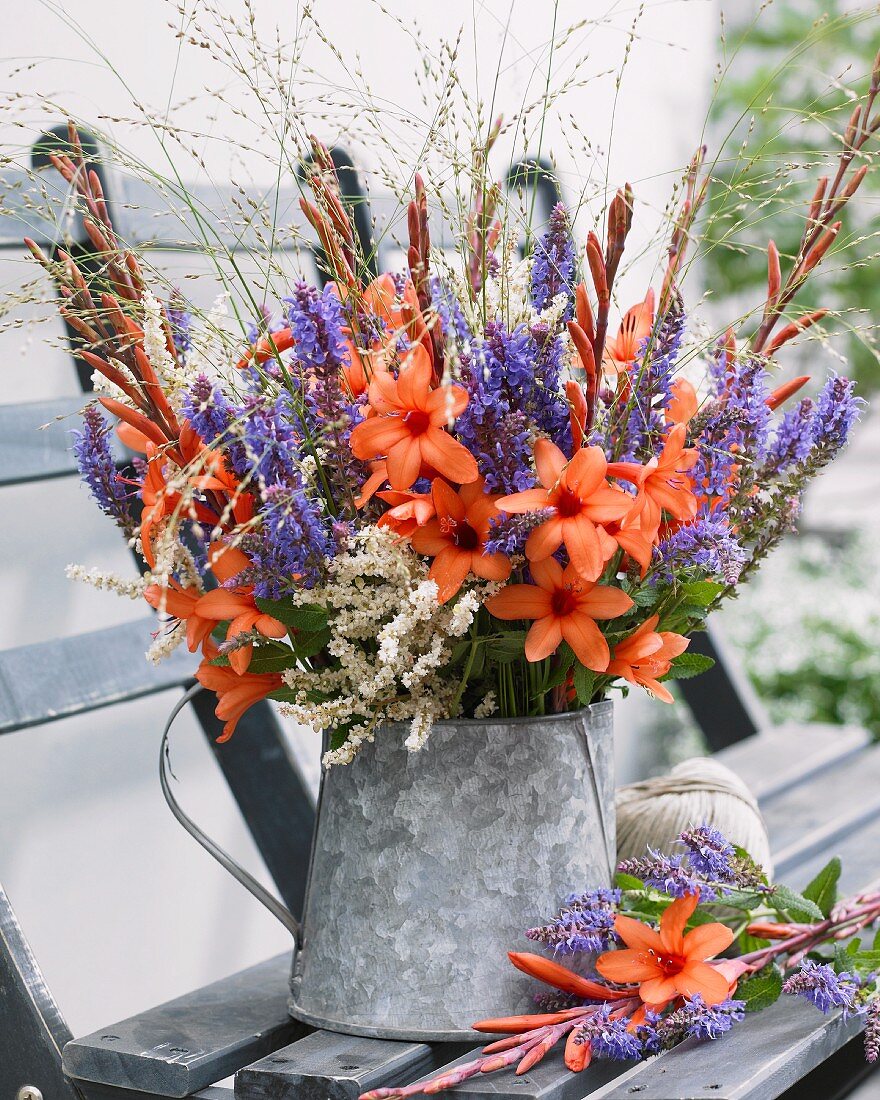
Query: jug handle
[247, 880]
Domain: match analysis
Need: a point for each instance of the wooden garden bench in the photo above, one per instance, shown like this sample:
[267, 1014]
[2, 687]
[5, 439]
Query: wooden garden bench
[817, 787]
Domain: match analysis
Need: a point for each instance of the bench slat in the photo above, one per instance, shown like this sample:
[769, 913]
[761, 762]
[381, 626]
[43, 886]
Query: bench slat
[779, 758]
[93, 1091]
[766, 1054]
[31, 452]
[55, 679]
[191, 1042]
[831, 806]
[329, 1066]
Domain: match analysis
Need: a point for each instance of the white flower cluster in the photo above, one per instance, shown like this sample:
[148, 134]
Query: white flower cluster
[391, 643]
[208, 354]
[131, 589]
[507, 292]
[175, 378]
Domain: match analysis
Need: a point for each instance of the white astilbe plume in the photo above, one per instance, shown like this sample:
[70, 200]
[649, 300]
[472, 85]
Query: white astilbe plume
[392, 640]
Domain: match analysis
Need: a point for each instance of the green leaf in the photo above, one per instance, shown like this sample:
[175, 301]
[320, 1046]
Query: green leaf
[700, 594]
[745, 900]
[761, 990]
[788, 903]
[307, 645]
[875, 946]
[648, 596]
[865, 962]
[624, 881]
[272, 658]
[307, 618]
[823, 889]
[686, 665]
[584, 683]
[506, 646]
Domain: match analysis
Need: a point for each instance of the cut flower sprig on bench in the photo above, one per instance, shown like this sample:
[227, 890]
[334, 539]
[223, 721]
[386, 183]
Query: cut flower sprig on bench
[682, 948]
[443, 492]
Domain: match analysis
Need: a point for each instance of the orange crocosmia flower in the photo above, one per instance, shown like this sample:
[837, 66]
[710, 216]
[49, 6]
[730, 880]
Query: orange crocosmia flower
[662, 482]
[683, 402]
[635, 535]
[635, 328]
[235, 693]
[580, 498]
[669, 963]
[180, 603]
[407, 512]
[564, 607]
[646, 655]
[236, 604]
[408, 427]
[456, 538]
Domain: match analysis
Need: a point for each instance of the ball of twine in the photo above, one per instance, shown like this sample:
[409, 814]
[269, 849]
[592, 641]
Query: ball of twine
[699, 791]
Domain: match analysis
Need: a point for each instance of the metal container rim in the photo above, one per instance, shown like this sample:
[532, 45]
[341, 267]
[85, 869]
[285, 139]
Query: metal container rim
[604, 706]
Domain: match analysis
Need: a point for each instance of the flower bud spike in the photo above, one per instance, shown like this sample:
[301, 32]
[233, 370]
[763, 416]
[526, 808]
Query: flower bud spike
[584, 311]
[774, 274]
[597, 270]
[577, 1055]
[792, 330]
[788, 389]
[816, 202]
[820, 248]
[537, 1053]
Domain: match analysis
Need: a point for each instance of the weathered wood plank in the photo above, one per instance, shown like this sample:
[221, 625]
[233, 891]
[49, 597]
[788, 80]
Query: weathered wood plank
[781, 757]
[549, 1080]
[830, 806]
[191, 1042]
[93, 1091]
[35, 441]
[329, 1066]
[55, 679]
[768, 1052]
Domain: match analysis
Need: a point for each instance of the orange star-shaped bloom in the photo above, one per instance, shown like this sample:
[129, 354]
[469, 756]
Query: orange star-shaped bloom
[408, 511]
[564, 606]
[683, 402]
[669, 963]
[580, 499]
[456, 538]
[662, 483]
[409, 424]
[180, 603]
[621, 351]
[236, 604]
[646, 655]
[235, 693]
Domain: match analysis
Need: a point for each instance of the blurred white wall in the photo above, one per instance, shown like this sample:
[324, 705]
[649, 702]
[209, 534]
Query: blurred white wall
[122, 909]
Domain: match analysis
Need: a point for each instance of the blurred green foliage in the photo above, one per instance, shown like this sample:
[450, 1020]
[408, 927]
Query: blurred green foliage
[791, 73]
[807, 627]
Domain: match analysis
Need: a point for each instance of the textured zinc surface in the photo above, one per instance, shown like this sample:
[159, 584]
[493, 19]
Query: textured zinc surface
[428, 868]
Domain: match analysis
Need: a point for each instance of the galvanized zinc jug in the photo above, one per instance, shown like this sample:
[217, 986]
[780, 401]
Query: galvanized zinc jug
[428, 867]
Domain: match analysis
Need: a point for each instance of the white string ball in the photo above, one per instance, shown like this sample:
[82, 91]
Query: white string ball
[699, 791]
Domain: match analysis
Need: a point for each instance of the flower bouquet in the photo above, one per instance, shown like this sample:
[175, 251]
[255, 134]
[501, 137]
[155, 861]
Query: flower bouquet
[459, 497]
[423, 497]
